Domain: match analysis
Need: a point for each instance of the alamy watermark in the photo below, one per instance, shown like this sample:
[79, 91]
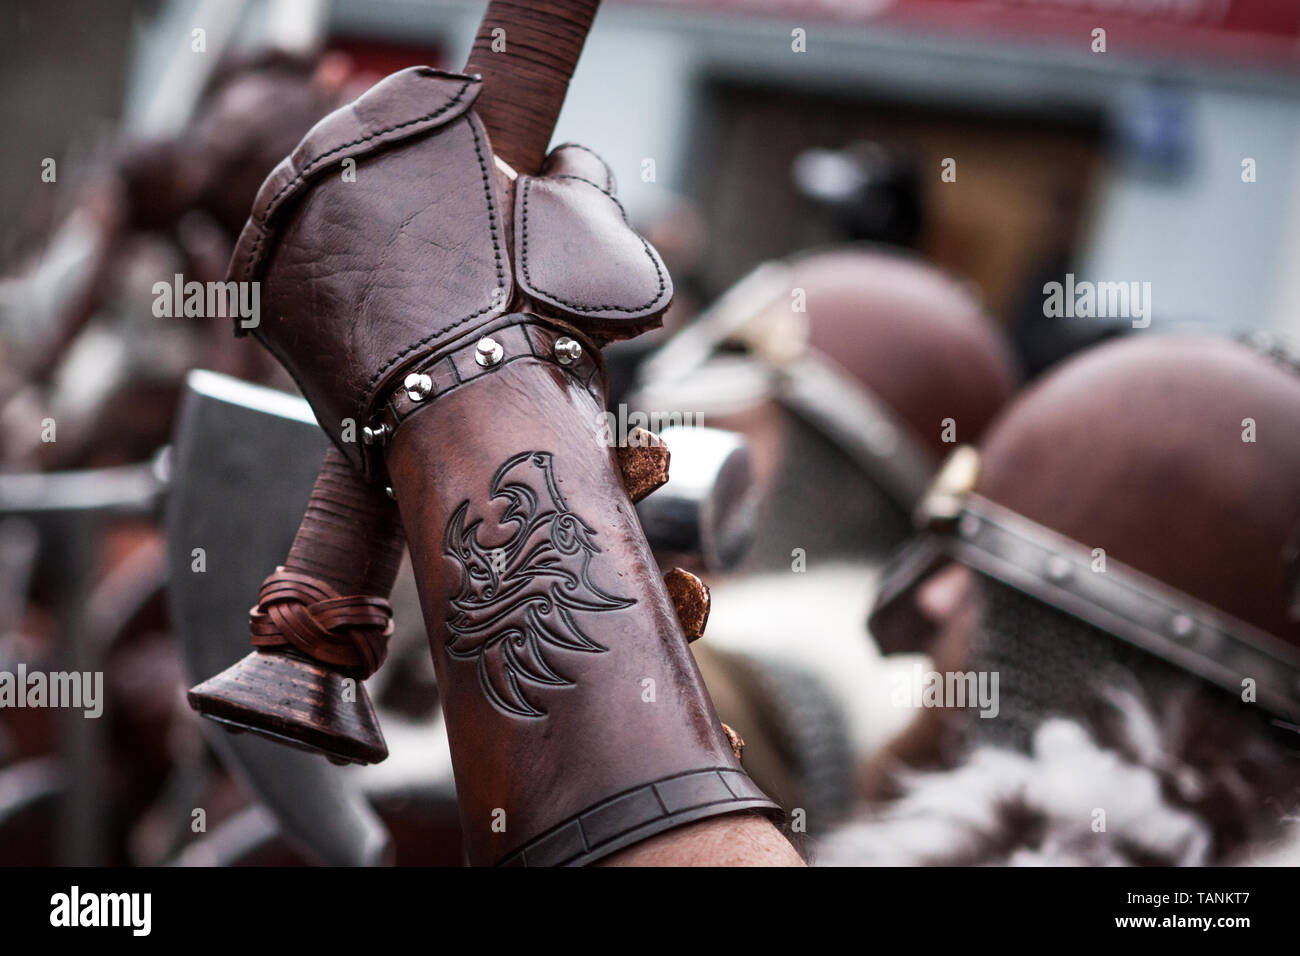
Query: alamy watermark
[208, 300]
[1098, 300]
[620, 429]
[62, 690]
[74, 908]
[918, 688]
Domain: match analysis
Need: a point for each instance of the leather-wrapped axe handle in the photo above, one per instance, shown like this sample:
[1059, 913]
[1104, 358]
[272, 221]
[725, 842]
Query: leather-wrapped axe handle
[524, 84]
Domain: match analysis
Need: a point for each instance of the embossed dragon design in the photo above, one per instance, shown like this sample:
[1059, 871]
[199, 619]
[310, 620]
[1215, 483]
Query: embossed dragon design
[521, 594]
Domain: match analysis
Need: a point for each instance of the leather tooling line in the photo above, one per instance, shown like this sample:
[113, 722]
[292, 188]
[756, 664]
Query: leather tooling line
[521, 596]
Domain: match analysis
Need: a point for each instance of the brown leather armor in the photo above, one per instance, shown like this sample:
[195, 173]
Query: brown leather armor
[409, 301]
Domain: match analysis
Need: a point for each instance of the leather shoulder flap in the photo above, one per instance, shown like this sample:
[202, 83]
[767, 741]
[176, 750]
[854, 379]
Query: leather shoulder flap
[576, 252]
[405, 104]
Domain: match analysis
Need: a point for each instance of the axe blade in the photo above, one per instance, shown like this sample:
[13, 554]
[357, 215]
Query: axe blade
[243, 461]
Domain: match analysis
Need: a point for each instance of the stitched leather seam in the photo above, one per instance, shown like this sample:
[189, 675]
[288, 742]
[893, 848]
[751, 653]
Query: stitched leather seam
[609, 176]
[496, 251]
[302, 173]
[577, 307]
[389, 129]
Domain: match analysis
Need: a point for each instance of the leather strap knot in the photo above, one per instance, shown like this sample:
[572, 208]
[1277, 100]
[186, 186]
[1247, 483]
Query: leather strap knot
[307, 613]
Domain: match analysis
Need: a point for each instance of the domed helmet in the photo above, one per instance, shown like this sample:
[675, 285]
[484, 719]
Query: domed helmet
[1130, 522]
[851, 370]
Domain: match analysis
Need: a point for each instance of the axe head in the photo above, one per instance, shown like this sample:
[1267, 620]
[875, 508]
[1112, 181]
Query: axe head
[243, 462]
[293, 700]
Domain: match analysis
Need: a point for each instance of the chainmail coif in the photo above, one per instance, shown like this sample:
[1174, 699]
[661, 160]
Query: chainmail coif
[1223, 759]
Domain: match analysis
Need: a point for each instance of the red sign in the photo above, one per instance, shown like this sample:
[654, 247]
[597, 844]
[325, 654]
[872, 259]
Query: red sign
[1265, 32]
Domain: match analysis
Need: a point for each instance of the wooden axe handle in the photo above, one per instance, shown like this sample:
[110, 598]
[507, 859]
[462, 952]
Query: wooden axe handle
[526, 52]
[351, 535]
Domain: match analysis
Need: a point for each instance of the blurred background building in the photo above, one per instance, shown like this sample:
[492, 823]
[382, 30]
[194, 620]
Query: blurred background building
[1125, 164]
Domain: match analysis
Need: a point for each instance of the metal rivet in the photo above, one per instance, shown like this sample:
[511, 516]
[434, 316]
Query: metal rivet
[418, 386]
[567, 350]
[489, 352]
[388, 490]
[968, 526]
[1058, 568]
[1182, 626]
[373, 436]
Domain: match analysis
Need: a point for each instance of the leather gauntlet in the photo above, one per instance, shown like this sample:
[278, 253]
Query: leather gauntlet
[405, 299]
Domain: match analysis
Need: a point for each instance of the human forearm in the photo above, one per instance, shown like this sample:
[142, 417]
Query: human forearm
[735, 840]
[577, 719]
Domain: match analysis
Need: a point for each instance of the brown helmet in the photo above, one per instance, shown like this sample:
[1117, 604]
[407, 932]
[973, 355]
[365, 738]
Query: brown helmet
[1121, 546]
[1149, 488]
[861, 366]
[920, 341]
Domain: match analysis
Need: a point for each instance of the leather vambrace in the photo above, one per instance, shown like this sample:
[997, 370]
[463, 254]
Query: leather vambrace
[402, 297]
